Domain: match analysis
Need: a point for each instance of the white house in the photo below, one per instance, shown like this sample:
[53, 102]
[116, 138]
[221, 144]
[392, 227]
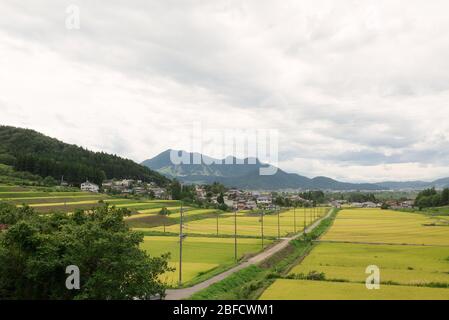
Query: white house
[263, 201]
[251, 205]
[369, 204]
[89, 187]
[229, 203]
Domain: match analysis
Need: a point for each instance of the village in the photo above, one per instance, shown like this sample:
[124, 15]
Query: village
[231, 198]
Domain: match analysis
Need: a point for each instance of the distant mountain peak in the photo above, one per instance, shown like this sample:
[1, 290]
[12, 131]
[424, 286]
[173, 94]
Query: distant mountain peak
[241, 173]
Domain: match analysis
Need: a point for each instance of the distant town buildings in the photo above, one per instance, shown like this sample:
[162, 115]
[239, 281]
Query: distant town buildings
[393, 204]
[137, 187]
[264, 201]
[367, 204]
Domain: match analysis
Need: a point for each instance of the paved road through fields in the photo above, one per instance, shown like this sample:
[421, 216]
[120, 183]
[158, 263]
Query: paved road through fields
[179, 294]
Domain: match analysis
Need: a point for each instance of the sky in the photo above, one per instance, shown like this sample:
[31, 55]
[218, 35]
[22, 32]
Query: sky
[358, 90]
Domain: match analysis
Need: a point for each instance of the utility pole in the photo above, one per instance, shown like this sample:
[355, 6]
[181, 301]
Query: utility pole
[294, 217]
[305, 218]
[217, 224]
[261, 219]
[235, 234]
[279, 225]
[180, 248]
[181, 238]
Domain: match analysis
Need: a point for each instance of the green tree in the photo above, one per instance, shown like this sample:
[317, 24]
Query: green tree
[220, 199]
[445, 197]
[35, 251]
[49, 182]
[385, 206]
[164, 211]
[175, 189]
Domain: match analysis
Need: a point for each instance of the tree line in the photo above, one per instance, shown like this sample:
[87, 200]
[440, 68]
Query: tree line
[30, 151]
[432, 198]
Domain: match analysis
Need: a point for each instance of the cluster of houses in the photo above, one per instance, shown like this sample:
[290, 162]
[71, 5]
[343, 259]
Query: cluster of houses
[127, 186]
[233, 198]
[367, 204]
[238, 199]
[247, 200]
[338, 203]
[394, 204]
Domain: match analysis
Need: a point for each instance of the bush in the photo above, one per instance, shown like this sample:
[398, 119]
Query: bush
[35, 251]
[312, 275]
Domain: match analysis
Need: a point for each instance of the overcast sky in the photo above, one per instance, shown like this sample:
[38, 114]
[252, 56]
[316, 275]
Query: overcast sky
[359, 90]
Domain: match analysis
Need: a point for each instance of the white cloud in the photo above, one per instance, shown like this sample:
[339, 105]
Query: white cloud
[358, 89]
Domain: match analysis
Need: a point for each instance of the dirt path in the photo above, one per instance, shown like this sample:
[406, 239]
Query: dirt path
[179, 294]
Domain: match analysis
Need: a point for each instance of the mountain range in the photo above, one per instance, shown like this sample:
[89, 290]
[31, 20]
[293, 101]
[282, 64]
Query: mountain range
[30, 151]
[245, 175]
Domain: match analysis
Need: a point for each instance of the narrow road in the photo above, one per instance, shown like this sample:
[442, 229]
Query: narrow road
[179, 294]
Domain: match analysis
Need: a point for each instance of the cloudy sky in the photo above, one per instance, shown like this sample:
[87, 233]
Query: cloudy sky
[359, 90]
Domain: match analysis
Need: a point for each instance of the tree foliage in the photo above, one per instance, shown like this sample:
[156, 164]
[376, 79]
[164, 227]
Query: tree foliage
[30, 151]
[432, 198]
[215, 188]
[164, 212]
[182, 192]
[316, 196]
[35, 251]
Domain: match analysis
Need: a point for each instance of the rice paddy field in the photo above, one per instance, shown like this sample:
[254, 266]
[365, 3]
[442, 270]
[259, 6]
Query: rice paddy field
[408, 265]
[320, 290]
[204, 251]
[248, 224]
[200, 254]
[411, 251]
[386, 226]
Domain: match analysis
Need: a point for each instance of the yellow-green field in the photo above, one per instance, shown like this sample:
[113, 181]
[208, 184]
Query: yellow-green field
[386, 226]
[64, 201]
[399, 264]
[200, 254]
[248, 224]
[284, 289]
[411, 251]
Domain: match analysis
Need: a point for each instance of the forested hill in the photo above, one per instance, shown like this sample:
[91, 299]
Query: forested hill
[31, 151]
